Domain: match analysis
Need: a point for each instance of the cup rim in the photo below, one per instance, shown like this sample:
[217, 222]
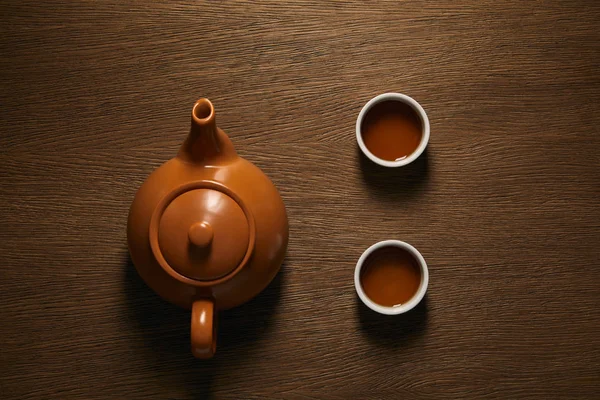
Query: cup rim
[416, 299]
[415, 106]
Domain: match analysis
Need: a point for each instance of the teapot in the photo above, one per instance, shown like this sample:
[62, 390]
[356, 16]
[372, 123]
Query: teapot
[207, 230]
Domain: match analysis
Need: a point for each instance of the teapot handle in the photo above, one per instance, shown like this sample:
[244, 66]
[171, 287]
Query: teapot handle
[204, 328]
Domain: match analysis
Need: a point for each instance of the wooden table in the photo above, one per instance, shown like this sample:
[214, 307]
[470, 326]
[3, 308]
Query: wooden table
[504, 206]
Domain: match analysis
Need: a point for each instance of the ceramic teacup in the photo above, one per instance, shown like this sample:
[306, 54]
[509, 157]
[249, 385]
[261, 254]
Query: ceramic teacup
[421, 288]
[418, 111]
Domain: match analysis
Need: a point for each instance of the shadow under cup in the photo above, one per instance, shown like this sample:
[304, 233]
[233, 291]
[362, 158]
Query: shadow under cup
[391, 277]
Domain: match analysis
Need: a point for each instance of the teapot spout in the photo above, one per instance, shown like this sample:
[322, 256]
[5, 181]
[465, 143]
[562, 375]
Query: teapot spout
[203, 141]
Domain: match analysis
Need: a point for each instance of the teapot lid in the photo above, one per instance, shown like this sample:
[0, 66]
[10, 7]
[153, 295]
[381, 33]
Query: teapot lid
[201, 231]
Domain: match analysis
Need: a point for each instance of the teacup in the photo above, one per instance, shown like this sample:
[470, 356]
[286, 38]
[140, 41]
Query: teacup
[392, 130]
[391, 277]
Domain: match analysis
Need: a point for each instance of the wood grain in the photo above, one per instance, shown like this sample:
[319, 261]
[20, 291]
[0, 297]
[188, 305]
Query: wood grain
[504, 206]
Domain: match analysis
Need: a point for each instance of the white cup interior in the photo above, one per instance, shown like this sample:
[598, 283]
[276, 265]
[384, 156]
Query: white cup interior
[400, 98]
[409, 305]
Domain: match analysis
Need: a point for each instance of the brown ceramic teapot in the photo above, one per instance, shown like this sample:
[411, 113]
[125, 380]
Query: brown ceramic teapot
[207, 230]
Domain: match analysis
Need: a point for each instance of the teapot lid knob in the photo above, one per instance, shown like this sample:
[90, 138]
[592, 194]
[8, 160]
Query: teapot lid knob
[201, 234]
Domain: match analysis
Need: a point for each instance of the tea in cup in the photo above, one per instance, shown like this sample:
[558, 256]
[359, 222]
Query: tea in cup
[391, 277]
[392, 130]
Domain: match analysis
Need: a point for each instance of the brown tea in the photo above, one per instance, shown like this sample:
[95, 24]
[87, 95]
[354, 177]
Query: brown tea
[392, 130]
[390, 276]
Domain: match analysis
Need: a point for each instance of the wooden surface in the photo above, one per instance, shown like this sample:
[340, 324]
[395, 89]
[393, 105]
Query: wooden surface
[504, 206]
